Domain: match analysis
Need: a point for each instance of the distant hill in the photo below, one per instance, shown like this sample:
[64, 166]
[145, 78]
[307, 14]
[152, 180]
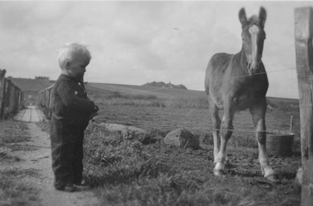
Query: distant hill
[31, 85]
[163, 85]
[149, 90]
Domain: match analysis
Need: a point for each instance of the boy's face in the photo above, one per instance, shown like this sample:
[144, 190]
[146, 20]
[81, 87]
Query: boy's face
[77, 67]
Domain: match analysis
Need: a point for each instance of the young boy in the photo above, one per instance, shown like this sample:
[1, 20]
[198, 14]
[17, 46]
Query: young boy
[71, 112]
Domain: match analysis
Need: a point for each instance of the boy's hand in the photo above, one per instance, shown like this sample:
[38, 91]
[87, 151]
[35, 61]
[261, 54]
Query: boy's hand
[96, 109]
[95, 113]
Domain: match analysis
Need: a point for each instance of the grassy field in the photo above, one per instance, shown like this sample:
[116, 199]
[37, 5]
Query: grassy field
[150, 96]
[124, 171]
[127, 172]
[198, 98]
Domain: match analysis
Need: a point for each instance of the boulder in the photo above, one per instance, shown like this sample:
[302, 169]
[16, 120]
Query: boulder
[182, 138]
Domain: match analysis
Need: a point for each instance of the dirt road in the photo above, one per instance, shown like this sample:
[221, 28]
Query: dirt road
[39, 159]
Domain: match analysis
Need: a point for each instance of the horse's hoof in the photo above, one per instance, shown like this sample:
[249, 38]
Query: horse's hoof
[272, 178]
[219, 173]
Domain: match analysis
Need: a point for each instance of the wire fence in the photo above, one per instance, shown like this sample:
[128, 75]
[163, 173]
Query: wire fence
[206, 129]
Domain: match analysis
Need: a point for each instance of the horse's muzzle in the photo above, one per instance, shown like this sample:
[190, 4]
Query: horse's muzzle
[253, 67]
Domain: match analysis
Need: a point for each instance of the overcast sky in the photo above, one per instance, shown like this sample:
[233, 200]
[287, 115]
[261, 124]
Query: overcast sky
[137, 42]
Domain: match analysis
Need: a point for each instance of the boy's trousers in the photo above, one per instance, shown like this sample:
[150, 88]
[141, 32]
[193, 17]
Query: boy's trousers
[66, 151]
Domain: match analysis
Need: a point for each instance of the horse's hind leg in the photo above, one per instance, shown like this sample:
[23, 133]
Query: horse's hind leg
[216, 122]
[258, 116]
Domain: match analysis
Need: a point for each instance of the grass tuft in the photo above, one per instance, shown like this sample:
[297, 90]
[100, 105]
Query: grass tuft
[13, 135]
[13, 192]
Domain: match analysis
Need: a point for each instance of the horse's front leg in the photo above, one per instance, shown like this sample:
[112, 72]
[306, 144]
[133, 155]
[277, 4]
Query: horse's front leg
[216, 122]
[258, 116]
[226, 132]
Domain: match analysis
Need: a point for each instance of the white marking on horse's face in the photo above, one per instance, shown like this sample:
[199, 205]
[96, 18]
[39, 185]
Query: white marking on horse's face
[253, 61]
[254, 30]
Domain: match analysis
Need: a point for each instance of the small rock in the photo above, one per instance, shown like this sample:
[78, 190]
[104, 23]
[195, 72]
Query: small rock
[182, 138]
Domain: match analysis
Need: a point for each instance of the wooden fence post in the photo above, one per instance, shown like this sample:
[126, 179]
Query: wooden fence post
[16, 98]
[20, 99]
[2, 92]
[7, 96]
[4, 98]
[12, 98]
[304, 61]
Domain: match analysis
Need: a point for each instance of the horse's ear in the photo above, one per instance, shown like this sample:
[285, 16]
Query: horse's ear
[242, 17]
[262, 16]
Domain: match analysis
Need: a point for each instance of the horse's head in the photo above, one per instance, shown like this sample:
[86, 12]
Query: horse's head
[253, 36]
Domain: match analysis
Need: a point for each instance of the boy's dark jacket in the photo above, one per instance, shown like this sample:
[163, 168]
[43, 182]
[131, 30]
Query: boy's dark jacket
[69, 101]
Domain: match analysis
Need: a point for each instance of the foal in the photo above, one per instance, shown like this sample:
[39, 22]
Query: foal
[236, 82]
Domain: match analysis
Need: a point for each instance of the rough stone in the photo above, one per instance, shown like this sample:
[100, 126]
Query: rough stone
[182, 138]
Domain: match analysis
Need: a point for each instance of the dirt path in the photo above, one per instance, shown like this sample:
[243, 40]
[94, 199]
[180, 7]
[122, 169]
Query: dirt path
[39, 159]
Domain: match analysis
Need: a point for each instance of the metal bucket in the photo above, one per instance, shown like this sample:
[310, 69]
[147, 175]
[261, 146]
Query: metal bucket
[280, 143]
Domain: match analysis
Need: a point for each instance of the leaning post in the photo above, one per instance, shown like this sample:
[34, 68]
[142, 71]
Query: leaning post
[304, 61]
[3, 100]
[2, 92]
